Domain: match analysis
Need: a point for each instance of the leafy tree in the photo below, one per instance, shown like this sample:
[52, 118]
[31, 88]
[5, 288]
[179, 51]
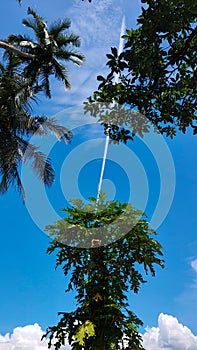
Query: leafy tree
[157, 68]
[100, 246]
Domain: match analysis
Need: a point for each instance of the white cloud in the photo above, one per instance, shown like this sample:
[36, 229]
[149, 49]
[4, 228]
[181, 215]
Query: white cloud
[25, 338]
[169, 335]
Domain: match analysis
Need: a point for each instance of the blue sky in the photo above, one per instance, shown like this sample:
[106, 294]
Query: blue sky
[32, 292]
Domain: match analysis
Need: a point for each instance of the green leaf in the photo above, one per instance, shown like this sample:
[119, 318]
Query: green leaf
[114, 51]
[100, 78]
[85, 330]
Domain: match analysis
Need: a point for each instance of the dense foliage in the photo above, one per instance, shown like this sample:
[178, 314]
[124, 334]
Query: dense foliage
[100, 247]
[157, 68]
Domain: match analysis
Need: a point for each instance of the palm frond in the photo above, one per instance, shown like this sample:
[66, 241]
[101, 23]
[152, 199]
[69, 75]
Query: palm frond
[58, 27]
[12, 64]
[30, 23]
[9, 178]
[38, 25]
[41, 165]
[45, 72]
[4, 185]
[59, 131]
[31, 72]
[37, 20]
[2, 68]
[26, 126]
[19, 182]
[64, 41]
[15, 39]
[16, 150]
[60, 72]
[73, 40]
[10, 159]
[26, 94]
[72, 56]
[15, 89]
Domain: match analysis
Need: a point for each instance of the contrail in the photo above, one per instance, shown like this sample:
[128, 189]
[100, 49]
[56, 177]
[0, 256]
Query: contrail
[120, 49]
[121, 43]
[122, 32]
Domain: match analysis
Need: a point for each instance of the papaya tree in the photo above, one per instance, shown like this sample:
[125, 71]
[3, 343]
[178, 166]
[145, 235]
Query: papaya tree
[100, 247]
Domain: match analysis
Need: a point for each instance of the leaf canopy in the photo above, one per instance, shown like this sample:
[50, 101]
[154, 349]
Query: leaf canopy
[157, 68]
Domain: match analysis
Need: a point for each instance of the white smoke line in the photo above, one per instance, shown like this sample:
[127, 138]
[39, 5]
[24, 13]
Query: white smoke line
[103, 166]
[116, 79]
[121, 45]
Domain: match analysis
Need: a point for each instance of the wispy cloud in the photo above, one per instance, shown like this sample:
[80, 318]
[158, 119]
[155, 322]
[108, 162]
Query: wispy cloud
[99, 26]
[97, 23]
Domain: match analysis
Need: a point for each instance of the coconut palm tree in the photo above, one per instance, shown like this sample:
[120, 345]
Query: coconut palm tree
[17, 125]
[30, 63]
[46, 55]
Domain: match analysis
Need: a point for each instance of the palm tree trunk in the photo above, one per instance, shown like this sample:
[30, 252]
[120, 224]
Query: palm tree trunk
[11, 48]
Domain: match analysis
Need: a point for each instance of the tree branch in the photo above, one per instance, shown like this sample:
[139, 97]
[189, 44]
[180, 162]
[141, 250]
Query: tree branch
[11, 48]
[188, 41]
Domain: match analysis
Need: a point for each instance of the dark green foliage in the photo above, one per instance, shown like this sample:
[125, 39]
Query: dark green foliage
[17, 125]
[116, 118]
[158, 67]
[102, 268]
